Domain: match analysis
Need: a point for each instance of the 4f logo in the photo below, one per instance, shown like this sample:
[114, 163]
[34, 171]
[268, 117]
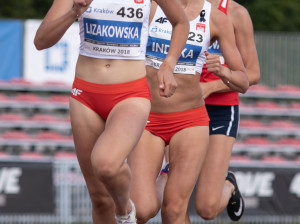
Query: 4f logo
[139, 1]
[161, 20]
[76, 92]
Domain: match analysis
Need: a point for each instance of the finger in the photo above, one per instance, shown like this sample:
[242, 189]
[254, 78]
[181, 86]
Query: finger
[162, 92]
[213, 59]
[167, 91]
[172, 90]
[161, 84]
[81, 3]
[206, 53]
[174, 87]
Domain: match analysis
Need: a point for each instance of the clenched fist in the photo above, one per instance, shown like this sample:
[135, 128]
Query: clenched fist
[80, 6]
[213, 64]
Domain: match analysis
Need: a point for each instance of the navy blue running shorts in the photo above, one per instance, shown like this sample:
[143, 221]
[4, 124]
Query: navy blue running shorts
[224, 120]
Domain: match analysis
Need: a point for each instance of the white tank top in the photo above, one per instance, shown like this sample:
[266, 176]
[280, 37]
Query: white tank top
[115, 29]
[192, 56]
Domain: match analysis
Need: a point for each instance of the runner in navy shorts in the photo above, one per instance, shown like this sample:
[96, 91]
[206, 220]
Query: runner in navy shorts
[224, 120]
[217, 187]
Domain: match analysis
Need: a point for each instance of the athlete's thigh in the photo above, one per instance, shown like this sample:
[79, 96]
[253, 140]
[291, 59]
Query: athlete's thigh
[215, 166]
[186, 154]
[145, 162]
[86, 127]
[124, 127]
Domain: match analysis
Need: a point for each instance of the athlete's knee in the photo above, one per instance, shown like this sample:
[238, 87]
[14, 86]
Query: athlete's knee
[172, 210]
[143, 216]
[146, 211]
[104, 169]
[207, 210]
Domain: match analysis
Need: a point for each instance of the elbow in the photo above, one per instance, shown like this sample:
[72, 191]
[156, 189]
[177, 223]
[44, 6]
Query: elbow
[253, 76]
[244, 90]
[39, 48]
[38, 45]
[245, 87]
[255, 80]
[247, 83]
[40, 40]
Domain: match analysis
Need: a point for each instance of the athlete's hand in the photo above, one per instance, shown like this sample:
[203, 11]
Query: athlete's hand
[80, 6]
[166, 81]
[213, 64]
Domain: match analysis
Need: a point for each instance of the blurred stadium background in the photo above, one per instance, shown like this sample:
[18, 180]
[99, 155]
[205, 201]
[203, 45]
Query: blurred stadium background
[40, 181]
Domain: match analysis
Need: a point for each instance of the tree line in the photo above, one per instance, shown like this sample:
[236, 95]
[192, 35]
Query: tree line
[267, 15]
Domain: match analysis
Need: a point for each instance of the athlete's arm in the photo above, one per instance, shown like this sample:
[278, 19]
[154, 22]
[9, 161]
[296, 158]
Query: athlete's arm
[59, 18]
[180, 23]
[244, 35]
[235, 76]
[217, 86]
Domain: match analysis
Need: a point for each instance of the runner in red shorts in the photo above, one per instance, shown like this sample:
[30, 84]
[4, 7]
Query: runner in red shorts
[180, 121]
[110, 98]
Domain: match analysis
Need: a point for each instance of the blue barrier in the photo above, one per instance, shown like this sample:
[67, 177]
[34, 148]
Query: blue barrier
[11, 49]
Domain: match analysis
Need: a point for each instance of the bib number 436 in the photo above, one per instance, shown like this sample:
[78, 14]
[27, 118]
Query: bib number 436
[131, 12]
